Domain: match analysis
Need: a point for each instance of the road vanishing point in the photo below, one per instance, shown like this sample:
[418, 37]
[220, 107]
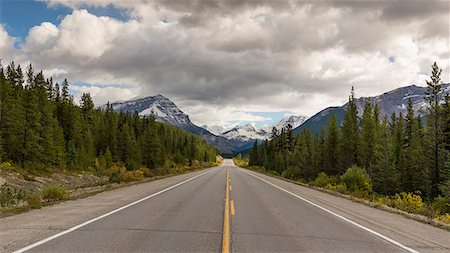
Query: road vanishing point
[221, 209]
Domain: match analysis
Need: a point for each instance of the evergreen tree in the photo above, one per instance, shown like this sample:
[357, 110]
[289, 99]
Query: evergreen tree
[413, 175]
[350, 134]
[254, 153]
[384, 173]
[367, 136]
[434, 126]
[332, 147]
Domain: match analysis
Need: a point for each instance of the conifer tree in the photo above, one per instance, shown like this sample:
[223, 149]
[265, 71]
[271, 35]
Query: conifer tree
[254, 160]
[413, 175]
[332, 146]
[367, 136]
[384, 173]
[350, 134]
[434, 126]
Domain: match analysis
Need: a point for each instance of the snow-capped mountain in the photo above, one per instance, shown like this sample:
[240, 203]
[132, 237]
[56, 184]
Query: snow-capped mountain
[164, 110]
[392, 101]
[293, 120]
[246, 133]
[217, 130]
[397, 100]
[167, 112]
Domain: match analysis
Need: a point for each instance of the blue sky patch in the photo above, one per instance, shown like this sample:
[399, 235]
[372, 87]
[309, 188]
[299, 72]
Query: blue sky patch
[275, 117]
[19, 16]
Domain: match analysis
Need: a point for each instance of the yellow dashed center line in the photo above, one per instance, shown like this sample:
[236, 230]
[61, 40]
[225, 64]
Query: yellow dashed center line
[226, 218]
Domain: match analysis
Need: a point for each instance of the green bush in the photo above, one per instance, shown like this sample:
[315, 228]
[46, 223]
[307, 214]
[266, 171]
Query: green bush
[408, 202]
[323, 180]
[342, 188]
[121, 174]
[441, 205]
[445, 218]
[54, 192]
[147, 172]
[130, 176]
[357, 181]
[291, 173]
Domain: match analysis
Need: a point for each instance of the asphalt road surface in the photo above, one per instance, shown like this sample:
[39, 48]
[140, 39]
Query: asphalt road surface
[218, 210]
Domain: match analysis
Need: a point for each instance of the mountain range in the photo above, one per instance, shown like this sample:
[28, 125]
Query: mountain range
[392, 101]
[240, 138]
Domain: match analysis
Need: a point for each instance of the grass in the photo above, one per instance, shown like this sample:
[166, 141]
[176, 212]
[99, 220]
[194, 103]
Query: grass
[55, 193]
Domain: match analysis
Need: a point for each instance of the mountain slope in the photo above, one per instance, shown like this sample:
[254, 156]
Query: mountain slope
[293, 120]
[393, 101]
[246, 133]
[397, 100]
[166, 111]
[320, 120]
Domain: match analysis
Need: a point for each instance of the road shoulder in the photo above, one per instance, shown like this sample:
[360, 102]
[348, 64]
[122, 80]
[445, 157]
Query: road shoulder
[415, 234]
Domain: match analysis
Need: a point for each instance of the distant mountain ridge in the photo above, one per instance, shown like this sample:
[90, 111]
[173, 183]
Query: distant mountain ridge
[166, 111]
[249, 132]
[397, 100]
[392, 101]
[240, 138]
[246, 133]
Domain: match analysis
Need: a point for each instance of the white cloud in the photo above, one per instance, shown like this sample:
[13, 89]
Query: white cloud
[6, 46]
[220, 61]
[102, 95]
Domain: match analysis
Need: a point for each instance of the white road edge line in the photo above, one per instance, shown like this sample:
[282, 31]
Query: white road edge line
[31, 246]
[339, 216]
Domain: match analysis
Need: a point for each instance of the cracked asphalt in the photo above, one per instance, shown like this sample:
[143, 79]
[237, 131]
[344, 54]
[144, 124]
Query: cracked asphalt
[189, 218]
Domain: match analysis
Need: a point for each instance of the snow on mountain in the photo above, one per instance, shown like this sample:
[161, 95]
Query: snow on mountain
[217, 130]
[293, 120]
[164, 109]
[397, 100]
[245, 133]
[389, 102]
[249, 132]
[167, 112]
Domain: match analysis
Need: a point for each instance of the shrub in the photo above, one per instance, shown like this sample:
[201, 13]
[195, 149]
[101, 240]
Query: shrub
[120, 174]
[323, 180]
[54, 192]
[444, 218]
[342, 188]
[147, 172]
[408, 202]
[441, 205]
[357, 181]
[5, 165]
[116, 174]
[291, 173]
[34, 199]
[130, 176]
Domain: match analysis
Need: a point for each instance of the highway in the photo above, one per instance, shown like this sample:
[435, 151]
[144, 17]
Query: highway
[223, 209]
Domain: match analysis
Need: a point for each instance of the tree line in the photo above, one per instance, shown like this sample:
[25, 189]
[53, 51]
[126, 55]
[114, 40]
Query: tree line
[400, 153]
[42, 128]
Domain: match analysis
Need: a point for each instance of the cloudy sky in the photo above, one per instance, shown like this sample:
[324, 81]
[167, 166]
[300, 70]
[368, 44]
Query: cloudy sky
[230, 61]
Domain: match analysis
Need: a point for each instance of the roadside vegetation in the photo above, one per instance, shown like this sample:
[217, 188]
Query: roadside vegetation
[402, 162]
[50, 146]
